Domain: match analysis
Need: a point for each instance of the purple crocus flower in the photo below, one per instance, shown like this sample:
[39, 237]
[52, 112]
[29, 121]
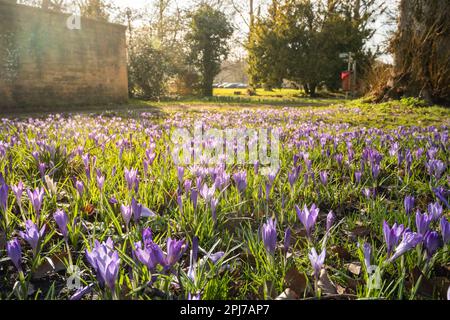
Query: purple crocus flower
[435, 211]
[32, 234]
[35, 155]
[308, 217]
[194, 249]
[151, 255]
[441, 194]
[317, 261]
[293, 177]
[62, 220]
[42, 167]
[105, 261]
[131, 178]
[136, 208]
[358, 175]
[214, 257]
[214, 203]
[175, 250]
[127, 213]
[36, 198]
[409, 204]
[256, 167]
[445, 230]
[367, 193]
[4, 197]
[80, 187]
[80, 293]
[187, 186]
[287, 240]
[194, 297]
[432, 243]
[409, 241]
[180, 203]
[339, 157]
[367, 251]
[423, 222]
[194, 198]
[392, 235]
[100, 181]
[435, 168]
[324, 177]
[180, 173]
[18, 192]
[147, 236]
[193, 259]
[14, 251]
[240, 178]
[330, 220]
[269, 235]
[207, 193]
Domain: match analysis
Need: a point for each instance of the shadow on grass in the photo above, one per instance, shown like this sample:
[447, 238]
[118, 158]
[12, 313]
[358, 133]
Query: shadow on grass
[160, 108]
[131, 109]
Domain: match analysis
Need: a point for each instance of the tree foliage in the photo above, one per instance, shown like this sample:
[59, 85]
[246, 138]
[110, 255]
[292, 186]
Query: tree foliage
[300, 40]
[207, 37]
[149, 69]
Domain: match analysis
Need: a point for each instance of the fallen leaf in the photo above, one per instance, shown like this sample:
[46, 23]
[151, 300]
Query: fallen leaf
[296, 281]
[325, 284]
[53, 264]
[341, 252]
[358, 232]
[340, 289]
[287, 294]
[354, 268]
[429, 287]
[441, 285]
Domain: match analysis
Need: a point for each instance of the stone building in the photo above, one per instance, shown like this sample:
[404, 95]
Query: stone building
[50, 59]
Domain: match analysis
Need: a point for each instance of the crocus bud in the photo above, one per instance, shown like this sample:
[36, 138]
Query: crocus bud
[61, 220]
[14, 251]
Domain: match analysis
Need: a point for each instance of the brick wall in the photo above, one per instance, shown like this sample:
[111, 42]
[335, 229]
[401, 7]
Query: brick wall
[43, 63]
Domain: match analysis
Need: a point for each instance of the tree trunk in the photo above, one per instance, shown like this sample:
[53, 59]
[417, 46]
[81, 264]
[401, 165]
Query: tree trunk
[421, 49]
[312, 89]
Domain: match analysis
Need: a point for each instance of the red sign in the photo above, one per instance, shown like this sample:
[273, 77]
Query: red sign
[345, 74]
[346, 77]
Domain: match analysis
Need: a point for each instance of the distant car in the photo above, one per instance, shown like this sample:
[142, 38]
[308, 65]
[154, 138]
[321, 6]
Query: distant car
[229, 85]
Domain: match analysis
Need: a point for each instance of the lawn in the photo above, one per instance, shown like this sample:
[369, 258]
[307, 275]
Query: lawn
[354, 204]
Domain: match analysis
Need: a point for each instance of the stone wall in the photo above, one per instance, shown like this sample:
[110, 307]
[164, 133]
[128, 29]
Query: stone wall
[44, 63]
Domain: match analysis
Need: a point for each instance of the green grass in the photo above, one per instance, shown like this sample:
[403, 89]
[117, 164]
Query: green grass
[120, 137]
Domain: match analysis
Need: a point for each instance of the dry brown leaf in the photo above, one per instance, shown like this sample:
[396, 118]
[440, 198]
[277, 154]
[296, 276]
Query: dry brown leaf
[359, 232]
[441, 285]
[340, 289]
[428, 287]
[287, 294]
[340, 251]
[325, 284]
[354, 268]
[46, 267]
[296, 281]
